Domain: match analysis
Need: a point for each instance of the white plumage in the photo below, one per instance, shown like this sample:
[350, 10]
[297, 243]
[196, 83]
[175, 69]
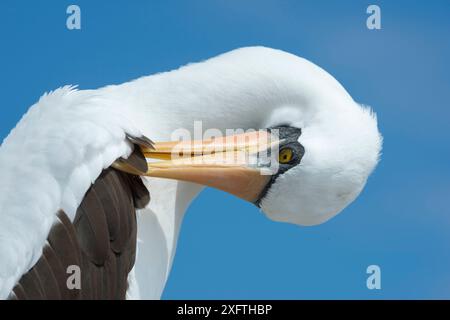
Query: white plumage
[64, 142]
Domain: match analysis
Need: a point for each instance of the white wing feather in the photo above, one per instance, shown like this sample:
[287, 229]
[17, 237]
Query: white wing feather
[47, 163]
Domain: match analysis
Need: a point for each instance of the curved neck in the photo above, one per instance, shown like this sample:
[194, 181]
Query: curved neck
[159, 105]
[239, 90]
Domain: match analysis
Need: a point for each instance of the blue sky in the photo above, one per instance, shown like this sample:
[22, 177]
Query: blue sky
[227, 249]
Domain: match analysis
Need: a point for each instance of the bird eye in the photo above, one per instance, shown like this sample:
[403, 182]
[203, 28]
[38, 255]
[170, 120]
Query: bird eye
[285, 155]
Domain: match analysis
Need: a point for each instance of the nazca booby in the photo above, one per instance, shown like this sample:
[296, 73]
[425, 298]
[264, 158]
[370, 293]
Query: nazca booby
[80, 163]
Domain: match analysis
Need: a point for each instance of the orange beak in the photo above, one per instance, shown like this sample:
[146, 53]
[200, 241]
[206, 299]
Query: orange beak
[240, 164]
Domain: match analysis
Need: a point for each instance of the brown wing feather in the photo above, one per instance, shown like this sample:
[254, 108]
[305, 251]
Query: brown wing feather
[101, 241]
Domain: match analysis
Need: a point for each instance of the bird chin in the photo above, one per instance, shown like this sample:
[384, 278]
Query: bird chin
[276, 210]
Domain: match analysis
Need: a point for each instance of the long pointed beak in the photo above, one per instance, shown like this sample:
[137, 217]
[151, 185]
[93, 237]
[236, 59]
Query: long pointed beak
[240, 164]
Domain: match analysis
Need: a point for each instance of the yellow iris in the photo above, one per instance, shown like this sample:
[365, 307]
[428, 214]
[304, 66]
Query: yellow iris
[285, 155]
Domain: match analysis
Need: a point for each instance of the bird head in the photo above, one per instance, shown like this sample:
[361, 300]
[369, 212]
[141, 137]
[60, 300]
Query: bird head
[314, 151]
[327, 171]
[297, 174]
